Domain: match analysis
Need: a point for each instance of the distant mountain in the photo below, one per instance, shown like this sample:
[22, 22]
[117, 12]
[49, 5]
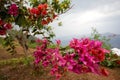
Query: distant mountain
[114, 39]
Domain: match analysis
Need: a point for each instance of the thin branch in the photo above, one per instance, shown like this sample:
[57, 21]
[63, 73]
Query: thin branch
[66, 10]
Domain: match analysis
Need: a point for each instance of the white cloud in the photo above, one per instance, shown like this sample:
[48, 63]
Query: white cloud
[80, 22]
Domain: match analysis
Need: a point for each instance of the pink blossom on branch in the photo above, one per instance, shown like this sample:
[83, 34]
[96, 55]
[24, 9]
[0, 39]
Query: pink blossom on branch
[7, 26]
[2, 32]
[4, 26]
[13, 10]
[1, 22]
[85, 57]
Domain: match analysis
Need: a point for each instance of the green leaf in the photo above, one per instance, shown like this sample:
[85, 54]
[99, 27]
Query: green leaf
[34, 29]
[21, 21]
[109, 63]
[60, 24]
[35, 33]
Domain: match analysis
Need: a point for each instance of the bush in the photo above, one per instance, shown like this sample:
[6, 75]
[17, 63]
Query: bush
[111, 59]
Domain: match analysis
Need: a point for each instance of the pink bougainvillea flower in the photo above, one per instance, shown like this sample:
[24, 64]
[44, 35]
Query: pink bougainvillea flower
[89, 61]
[58, 42]
[85, 42]
[45, 63]
[62, 62]
[57, 54]
[97, 44]
[2, 32]
[58, 76]
[38, 40]
[7, 26]
[54, 69]
[77, 69]
[84, 56]
[4, 27]
[84, 48]
[13, 10]
[1, 22]
[45, 41]
[39, 54]
[105, 72]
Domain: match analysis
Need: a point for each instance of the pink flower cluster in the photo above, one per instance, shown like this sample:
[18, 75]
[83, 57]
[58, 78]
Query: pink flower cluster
[85, 57]
[4, 27]
[89, 53]
[13, 10]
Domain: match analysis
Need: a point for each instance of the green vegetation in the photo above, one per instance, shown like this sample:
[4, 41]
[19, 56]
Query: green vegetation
[97, 36]
[3, 77]
[1, 41]
[111, 59]
[16, 61]
[32, 45]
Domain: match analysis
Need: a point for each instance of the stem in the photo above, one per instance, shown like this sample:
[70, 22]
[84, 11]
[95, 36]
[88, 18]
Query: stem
[26, 54]
[22, 41]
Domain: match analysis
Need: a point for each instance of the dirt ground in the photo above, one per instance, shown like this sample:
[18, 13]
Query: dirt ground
[22, 72]
[20, 53]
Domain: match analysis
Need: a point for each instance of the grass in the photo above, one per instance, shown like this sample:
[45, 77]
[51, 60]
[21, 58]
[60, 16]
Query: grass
[19, 66]
[16, 61]
[1, 41]
[3, 77]
[32, 45]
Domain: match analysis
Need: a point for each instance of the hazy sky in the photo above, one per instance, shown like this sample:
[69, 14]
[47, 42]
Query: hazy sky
[104, 15]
